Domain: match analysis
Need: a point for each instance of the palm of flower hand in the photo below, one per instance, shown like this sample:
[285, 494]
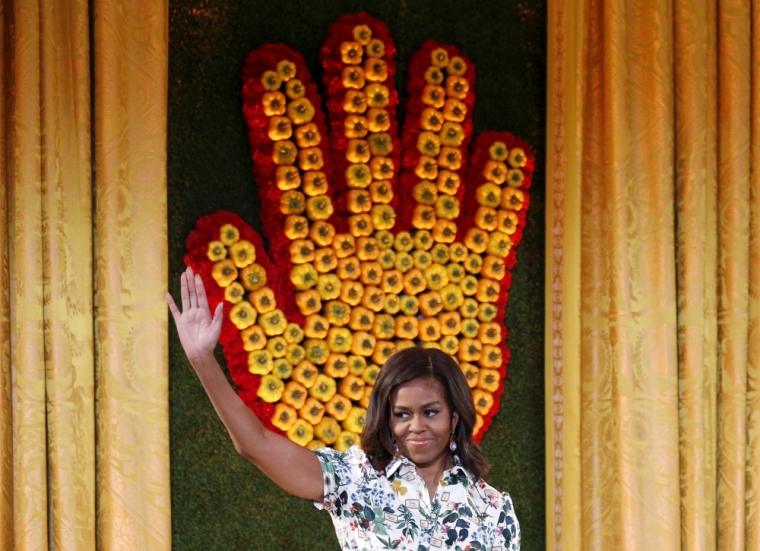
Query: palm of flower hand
[376, 242]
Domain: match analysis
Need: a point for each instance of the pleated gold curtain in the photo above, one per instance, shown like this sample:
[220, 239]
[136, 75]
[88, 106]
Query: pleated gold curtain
[84, 458]
[653, 275]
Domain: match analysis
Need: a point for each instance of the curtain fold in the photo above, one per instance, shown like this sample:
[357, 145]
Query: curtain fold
[62, 484]
[666, 293]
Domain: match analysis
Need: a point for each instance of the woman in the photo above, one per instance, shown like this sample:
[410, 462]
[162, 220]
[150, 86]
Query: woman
[415, 483]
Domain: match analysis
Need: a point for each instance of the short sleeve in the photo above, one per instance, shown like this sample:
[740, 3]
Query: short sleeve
[339, 471]
[507, 537]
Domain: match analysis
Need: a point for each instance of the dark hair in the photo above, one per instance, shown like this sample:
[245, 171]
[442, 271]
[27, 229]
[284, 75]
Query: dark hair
[421, 363]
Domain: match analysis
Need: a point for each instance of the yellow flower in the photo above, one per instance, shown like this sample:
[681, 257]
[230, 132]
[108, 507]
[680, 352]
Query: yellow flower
[270, 389]
[398, 487]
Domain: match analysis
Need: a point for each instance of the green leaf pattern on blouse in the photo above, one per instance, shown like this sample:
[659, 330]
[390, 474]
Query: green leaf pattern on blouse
[391, 509]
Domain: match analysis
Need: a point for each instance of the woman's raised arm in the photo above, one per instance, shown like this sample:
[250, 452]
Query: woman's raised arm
[294, 468]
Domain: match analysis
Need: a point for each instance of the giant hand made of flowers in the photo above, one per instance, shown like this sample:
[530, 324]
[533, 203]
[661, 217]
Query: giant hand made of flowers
[377, 243]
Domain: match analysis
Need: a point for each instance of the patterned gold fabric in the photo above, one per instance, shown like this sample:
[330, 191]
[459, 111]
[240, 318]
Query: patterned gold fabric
[48, 401]
[652, 276]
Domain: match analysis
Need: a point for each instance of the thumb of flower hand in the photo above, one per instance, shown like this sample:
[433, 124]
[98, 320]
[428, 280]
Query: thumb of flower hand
[377, 242]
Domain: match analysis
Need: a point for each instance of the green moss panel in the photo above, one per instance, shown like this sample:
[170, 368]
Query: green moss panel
[219, 501]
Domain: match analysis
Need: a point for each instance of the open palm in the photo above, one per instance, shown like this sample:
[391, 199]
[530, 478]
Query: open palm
[376, 242]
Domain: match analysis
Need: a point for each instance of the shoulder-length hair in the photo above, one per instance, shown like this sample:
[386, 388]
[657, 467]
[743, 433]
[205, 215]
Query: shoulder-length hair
[421, 363]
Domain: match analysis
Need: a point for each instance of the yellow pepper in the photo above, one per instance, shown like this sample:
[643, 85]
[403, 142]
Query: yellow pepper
[476, 240]
[487, 312]
[447, 207]
[427, 168]
[284, 416]
[473, 264]
[351, 292]
[322, 233]
[280, 128]
[452, 297]
[422, 259]
[470, 350]
[224, 272]
[488, 290]
[351, 53]
[295, 354]
[433, 95]
[488, 380]
[301, 432]
[338, 313]
[373, 299]
[287, 177]
[382, 168]
[454, 110]
[296, 226]
[469, 285]
[423, 241]
[316, 327]
[316, 444]
[414, 281]
[430, 330]
[404, 262]
[362, 34]
[355, 126]
[364, 343]
[361, 319]
[344, 245]
[409, 305]
[323, 389]
[278, 347]
[295, 89]
[515, 177]
[292, 202]
[451, 323]
[407, 327]
[384, 326]
[327, 430]
[425, 193]
[367, 248]
[352, 387]
[403, 242]
[431, 303]
[274, 103]
[305, 373]
[371, 273]
[439, 58]
[383, 351]
[429, 143]
[348, 269]
[370, 374]
[457, 87]
[507, 221]
[437, 277]
[216, 251]
[491, 357]
[456, 66]
[270, 80]
[325, 261]
[471, 373]
[359, 201]
[270, 389]
[293, 333]
[483, 401]
[358, 151]
[294, 395]
[440, 253]
[260, 362]
[346, 440]
[452, 134]
[456, 272]
[431, 119]
[377, 95]
[517, 158]
[281, 368]
[360, 225]
[228, 234]
[364, 400]
[243, 315]
[499, 244]
[273, 323]
[493, 267]
[434, 75]
[308, 135]
[375, 48]
[301, 251]
[316, 351]
[470, 328]
[469, 308]
[444, 231]
[284, 152]
[309, 302]
[312, 411]
[355, 102]
[339, 340]
[383, 217]
[304, 276]
[253, 338]
[300, 111]
[450, 344]
[486, 218]
[392, 304]
[479, 422]
[286, 70]
[424, 217]
[355, 419]
[450, 158]
[336, 366]
[392, 282]
[319, 207]
[353, 77]
[387, 260]
[356, 365]
[234, 292]
[375, 70]
[512, 199]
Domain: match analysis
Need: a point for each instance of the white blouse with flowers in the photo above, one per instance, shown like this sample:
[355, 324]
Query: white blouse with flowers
[391, 508]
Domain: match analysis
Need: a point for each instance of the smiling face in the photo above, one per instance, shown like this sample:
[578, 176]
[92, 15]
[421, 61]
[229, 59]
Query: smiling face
[421, 422]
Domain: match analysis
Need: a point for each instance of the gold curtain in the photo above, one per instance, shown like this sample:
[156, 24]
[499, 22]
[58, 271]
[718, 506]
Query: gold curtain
[653, 275]
[83, 361]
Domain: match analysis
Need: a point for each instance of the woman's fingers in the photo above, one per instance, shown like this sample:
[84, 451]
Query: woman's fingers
[200, 291]
[185, 295]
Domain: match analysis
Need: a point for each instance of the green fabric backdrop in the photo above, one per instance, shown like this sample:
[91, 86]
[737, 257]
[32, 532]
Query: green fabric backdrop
[219, 501]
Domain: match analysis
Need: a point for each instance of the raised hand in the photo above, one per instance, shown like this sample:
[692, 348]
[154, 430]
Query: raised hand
[376, 242]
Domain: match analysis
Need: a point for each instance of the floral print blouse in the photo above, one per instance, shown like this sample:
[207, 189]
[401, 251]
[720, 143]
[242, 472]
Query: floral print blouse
[391, 508]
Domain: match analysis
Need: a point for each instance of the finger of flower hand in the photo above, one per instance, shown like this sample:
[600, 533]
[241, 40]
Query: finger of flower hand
[358, 63]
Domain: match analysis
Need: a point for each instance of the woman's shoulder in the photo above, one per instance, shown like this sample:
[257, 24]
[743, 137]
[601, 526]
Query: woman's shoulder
[334, 461]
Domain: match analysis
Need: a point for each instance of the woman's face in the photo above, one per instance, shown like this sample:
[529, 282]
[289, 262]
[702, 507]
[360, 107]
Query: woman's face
[421, 421]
